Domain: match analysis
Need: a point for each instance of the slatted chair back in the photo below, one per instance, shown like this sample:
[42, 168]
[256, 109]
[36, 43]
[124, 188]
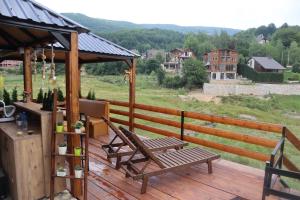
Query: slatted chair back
[138, 143]
[119, 133]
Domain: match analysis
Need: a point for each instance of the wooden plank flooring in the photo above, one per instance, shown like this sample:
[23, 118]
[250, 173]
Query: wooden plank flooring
[228, 181]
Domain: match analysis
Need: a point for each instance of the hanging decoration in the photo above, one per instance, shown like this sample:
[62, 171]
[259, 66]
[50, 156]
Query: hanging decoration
[52, 77]
[43, 65]
[34, 66]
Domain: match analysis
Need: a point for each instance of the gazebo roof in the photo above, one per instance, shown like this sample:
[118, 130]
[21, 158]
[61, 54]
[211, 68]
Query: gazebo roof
[31, 12]
[91, 43]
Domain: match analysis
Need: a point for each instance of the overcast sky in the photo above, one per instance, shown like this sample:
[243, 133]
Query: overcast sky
[240, 14]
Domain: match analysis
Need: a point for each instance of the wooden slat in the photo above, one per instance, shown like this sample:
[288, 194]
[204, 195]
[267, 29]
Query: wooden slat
[157, 120]
[236, 122]
[118, 103]
[292, 138]
[212, 131]
[229, 149]
[156, 130]
[232, 135]
[119, 121]
[119, 112]
[158, 109]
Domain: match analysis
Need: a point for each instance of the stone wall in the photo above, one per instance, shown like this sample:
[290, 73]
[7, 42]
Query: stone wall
[253, 89]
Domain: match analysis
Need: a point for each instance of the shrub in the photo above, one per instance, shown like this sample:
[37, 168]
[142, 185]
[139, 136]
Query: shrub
[60, 95]
[173, 82]
[14, 95]
[39, 98]
[296, 68]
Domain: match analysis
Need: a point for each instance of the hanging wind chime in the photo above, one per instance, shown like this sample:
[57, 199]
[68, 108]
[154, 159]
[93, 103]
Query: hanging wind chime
[52, 77]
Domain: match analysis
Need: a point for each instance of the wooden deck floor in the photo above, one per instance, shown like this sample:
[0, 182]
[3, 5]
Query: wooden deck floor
[228, 181]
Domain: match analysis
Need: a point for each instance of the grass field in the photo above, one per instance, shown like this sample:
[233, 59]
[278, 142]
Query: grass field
[273, 109]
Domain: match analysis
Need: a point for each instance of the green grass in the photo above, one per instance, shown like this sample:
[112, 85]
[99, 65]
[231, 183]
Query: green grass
[277, 109]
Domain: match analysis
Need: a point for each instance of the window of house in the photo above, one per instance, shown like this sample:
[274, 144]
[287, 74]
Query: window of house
[230, 76]
[229, 67]
[222, 76]
[214, 76]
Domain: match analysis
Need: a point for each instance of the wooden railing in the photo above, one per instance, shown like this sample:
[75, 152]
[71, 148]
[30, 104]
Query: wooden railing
[265, 128]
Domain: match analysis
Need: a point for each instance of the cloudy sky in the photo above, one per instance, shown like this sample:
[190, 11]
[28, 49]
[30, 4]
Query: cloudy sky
[241, 14]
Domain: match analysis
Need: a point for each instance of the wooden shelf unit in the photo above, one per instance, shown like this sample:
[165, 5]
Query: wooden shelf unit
[84, 161]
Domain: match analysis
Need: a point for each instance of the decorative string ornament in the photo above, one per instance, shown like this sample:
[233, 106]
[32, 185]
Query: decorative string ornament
[43, 65]
[52, 77]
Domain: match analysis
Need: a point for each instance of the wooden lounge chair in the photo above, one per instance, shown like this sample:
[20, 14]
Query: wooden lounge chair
[117, 149]
[167, 162]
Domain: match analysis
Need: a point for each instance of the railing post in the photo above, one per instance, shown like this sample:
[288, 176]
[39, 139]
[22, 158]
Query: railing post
[182, 126]
[282, 147]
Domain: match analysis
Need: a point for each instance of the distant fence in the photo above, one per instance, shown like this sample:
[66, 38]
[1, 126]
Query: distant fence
[261, 77]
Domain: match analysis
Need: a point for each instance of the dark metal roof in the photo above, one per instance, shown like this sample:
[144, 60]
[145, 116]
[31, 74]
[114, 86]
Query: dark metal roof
[268, 63]
[30, 11]
[91, 43]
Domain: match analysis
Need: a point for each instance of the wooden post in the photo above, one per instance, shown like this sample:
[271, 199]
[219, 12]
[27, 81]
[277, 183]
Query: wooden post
[79, 78]
[132, 93]
[72, 104]
[27, 71]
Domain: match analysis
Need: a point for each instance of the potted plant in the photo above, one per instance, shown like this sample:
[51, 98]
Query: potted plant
[78, 171]
[78, 126]
[62, 149]
[77, 151]
[61, 172]
[60, 127]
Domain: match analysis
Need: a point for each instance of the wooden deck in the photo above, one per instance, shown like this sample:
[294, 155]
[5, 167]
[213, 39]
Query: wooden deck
[229, 181]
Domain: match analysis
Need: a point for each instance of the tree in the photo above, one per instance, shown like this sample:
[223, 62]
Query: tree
[294, 53]
[194, 73]
[151, 65]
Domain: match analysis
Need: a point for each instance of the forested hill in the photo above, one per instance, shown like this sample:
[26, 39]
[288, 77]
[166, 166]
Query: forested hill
[103, 25]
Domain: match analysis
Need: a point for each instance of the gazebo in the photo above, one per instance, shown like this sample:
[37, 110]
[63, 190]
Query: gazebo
[26, 25]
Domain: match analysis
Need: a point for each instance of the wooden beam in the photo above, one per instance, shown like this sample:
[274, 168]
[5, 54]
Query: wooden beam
[72, 104]
[132, 94]
[27, 73]
[28, 33]
[9, 37]
[79, 79]
[61, 39]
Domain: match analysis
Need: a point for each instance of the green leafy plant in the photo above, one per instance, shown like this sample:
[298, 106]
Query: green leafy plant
[39, 98]
[6, 97]
[78, 125]
[14, 95]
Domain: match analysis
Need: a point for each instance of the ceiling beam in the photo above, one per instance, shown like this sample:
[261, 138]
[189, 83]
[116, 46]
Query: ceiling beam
[28, 33]
[61, 39]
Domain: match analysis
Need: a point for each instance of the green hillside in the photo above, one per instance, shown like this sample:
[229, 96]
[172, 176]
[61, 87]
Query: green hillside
[104, 25]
